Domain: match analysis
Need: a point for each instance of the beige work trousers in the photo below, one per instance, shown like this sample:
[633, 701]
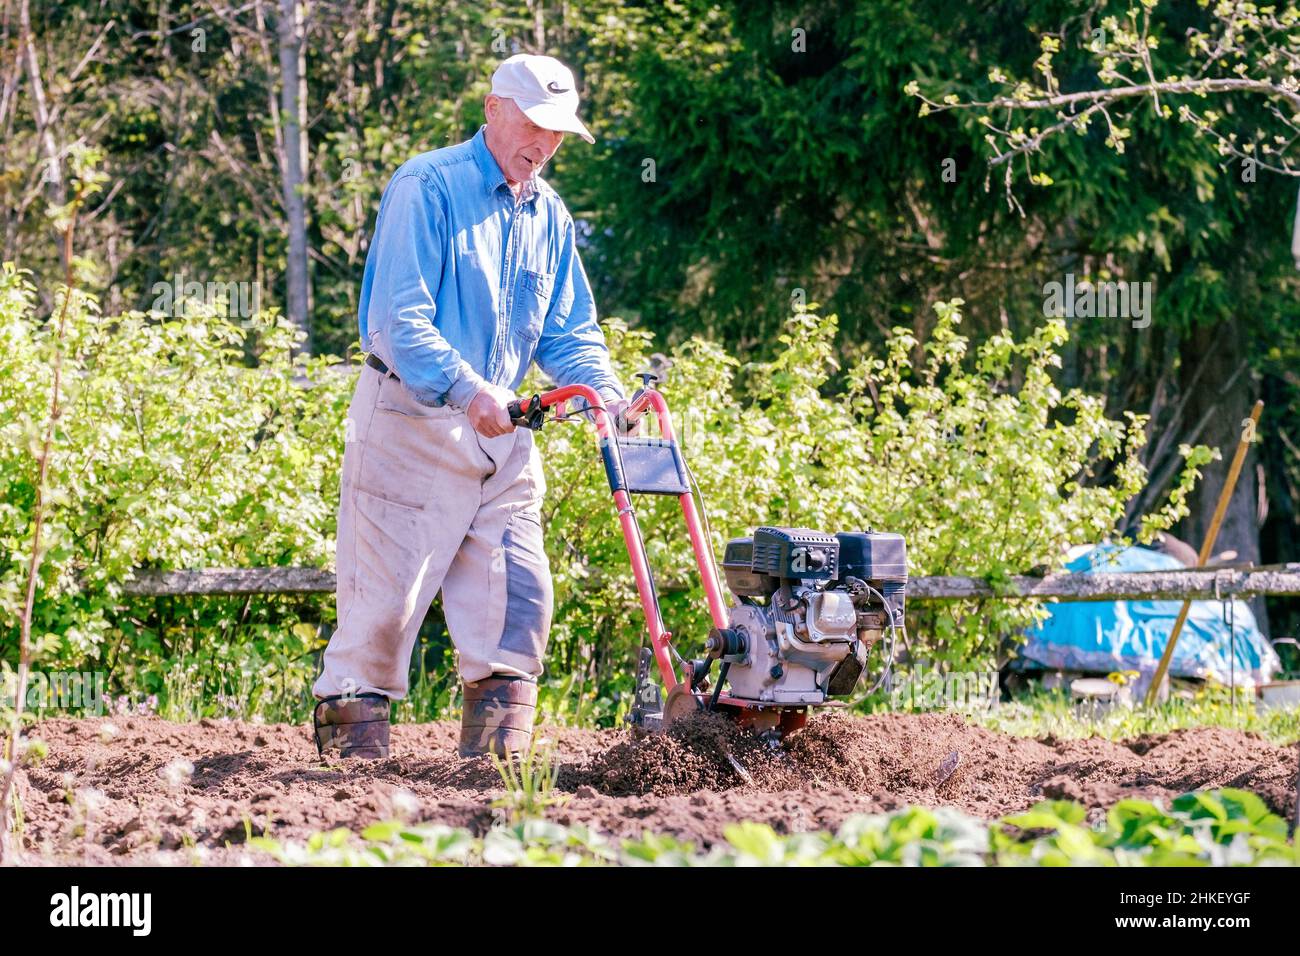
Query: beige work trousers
[426, 503]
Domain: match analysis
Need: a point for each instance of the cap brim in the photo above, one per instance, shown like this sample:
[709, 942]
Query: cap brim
[555, 117]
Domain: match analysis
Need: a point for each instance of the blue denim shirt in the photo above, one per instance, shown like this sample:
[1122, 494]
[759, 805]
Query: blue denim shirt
[463, 285]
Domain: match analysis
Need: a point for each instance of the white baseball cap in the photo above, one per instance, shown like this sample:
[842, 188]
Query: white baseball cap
[543, 88]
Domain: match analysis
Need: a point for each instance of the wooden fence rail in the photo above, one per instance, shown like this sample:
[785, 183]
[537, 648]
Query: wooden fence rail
[1146, 585]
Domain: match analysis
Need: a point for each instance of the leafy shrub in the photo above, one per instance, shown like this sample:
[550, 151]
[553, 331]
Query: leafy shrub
[173, 452]
[979, 460]
[197, 442]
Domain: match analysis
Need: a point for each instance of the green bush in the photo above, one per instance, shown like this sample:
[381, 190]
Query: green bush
[979, 460]
[174, 450]
[196, 442]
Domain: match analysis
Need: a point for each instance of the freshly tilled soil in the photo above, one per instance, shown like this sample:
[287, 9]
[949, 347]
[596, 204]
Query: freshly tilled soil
[143, 790]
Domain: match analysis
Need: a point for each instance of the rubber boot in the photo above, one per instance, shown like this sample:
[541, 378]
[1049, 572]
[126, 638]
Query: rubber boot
[355, 726]
[498, 715]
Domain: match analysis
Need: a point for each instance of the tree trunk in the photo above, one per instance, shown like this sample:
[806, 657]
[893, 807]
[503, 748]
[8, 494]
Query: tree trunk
[51, 171]
[539, 26]
[1222, 399]
[293, 161]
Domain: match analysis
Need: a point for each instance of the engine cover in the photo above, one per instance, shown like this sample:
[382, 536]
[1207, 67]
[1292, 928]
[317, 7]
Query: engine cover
[789, 657]
[828, 599]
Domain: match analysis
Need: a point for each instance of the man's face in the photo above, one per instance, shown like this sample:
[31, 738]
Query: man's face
[520, 146]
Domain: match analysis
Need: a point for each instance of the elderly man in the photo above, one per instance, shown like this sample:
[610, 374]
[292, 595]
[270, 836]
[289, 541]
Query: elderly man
[473, 274]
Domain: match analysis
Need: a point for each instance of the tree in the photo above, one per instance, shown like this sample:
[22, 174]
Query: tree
[291, 147]
[1229, 80]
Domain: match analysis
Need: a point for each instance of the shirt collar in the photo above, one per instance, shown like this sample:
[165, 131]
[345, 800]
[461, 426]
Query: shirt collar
[493, 177]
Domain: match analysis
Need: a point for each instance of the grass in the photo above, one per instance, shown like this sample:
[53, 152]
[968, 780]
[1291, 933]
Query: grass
[1053, 713]
[529, 781]
[572, 701]
[433, 695]
[189, 694]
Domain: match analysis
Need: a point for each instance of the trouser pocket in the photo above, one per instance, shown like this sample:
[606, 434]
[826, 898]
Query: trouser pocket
[404, 448]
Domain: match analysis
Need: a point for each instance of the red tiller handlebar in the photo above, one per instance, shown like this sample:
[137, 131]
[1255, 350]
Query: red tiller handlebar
[529, 412]
[524, 413]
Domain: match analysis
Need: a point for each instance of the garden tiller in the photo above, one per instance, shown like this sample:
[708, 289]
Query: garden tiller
[809, 606]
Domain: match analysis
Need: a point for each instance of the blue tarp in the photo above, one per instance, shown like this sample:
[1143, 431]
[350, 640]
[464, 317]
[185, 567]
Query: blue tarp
[1106, 636]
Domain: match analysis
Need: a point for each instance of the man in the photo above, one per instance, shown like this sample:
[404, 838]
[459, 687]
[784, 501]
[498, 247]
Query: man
[473, 274]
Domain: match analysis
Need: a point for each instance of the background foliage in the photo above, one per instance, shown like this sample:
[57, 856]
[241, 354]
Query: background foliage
[173, 452]
[751, 159]
[196, 442]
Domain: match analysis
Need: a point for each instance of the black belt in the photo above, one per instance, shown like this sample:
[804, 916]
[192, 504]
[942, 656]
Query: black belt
[375, 362]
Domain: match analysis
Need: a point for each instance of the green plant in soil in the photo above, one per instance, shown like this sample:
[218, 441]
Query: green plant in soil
[1202, 828]
[529, 780]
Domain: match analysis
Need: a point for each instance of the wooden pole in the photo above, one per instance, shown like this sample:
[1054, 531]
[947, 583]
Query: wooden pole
[1207, 546]
[1198, 584]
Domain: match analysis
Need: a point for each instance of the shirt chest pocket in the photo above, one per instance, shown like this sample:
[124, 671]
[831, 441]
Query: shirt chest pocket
[532, 302]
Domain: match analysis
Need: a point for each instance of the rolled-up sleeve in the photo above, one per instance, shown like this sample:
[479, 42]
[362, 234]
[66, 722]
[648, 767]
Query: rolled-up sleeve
[410, 245]
[572, 348]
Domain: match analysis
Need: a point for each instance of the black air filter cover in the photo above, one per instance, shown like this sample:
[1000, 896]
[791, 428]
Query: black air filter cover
[880, 558]
[872, 555]
[796, 553]
[739, 553]
[738, 566]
